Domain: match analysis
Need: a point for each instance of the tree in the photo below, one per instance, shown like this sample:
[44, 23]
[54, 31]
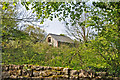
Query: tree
[104, 17]
[16, 43]
[10, 22]
[36, 34]
[107, 43]
[10, 27]
[80, 31]
[63, 10]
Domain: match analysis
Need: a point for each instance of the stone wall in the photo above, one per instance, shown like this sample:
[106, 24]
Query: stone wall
[32, 72]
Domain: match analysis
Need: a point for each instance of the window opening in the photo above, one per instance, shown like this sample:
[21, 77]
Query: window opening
[49, 39]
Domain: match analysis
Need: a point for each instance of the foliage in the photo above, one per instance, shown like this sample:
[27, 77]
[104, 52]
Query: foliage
[25, 52]
[62, 11]
[36, 34]
[107, 43]
[103, 51]
[104, 17]
[62, 34]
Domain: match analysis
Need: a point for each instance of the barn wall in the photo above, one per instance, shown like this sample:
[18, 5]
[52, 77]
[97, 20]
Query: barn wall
[53, 41]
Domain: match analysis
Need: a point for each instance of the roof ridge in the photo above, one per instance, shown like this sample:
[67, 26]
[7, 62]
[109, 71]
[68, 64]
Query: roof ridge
[58, 35]
[61, 38]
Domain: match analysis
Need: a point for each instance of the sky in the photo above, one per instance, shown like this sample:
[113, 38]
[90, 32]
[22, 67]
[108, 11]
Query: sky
[54, 26]
[57, 27]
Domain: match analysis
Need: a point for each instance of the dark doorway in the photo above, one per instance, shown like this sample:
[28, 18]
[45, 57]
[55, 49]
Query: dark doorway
[49, 39]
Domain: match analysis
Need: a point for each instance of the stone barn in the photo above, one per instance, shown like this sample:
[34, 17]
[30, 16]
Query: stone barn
[57, 40]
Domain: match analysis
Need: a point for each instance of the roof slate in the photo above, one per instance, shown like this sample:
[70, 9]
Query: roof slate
[62, 38]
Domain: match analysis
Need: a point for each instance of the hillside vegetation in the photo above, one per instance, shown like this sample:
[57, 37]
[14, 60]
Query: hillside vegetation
[99, 51]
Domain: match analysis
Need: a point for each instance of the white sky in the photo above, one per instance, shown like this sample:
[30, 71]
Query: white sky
[55, 26]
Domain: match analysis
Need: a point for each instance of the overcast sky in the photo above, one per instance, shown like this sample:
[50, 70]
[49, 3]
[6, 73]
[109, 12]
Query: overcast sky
[55, 26]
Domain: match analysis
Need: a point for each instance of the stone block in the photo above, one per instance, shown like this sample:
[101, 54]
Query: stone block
[66, 71]
[102, 74]
[37, 68]
[47, 68]
[24, 73]
[5, 68]
[91, 73]
[74, 77]
[36, 73]
[5, 75]
[83, 73]
[57, 68]
[73, 72]
[46, 73]
[14, 76]
[20, 72]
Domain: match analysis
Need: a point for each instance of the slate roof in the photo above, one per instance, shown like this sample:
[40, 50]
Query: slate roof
[62, 38]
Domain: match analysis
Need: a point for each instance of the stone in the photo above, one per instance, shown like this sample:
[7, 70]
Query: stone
[30, 73]
[36, 73]
[54, 73]
[33, 67]
[20, 77]
[58, 72]
[62, 73]
[21, 66]
[91, 73]
[40, 72]
[11, 67]
[38, 68]
[58, 68]
[102, 74]
[6, 68]
[5, 75]
[48, 78]
[66, 71]
[83, 73]
[24, 72]
[64, 76]
[17, 67]
[73, 72]
[73, 76]
[47, 68]
[29, 66]
[20, 72]
[13, 72]
[13, 76]
[46, 73]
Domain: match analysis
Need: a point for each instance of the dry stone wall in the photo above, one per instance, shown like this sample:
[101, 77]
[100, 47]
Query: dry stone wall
[32, 72]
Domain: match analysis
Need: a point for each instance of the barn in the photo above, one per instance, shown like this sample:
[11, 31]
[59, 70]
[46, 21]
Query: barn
[57, 40]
